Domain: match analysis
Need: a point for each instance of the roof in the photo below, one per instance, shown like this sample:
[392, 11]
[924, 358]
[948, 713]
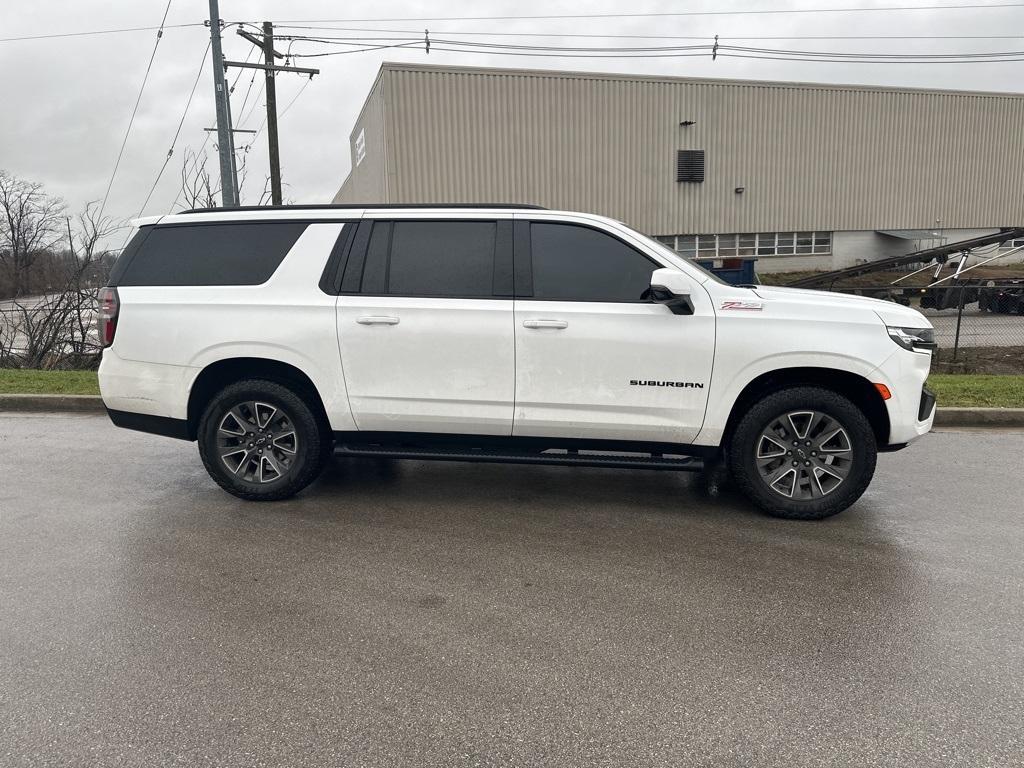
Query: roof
[441, 69]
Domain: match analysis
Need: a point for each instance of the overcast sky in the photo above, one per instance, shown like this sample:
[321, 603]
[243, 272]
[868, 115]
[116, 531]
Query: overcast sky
[67, 101]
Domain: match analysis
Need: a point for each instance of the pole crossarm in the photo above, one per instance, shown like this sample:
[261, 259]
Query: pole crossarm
[257, 42]
[272, 67]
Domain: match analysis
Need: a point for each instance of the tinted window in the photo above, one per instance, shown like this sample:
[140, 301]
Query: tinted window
[212, 254]
[127, 254]
[441, 258]
[375, 272]
[579, 264]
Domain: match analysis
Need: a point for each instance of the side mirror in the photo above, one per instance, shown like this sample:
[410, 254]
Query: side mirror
[671, 288]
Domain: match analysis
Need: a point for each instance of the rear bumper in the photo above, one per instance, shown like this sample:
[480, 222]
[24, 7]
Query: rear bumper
[154, 425]
[149, 389]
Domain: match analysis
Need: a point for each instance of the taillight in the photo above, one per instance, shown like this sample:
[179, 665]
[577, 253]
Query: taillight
[106, 320]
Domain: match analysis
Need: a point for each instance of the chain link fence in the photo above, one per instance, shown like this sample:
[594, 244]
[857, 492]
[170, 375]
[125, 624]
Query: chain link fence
[979, 326]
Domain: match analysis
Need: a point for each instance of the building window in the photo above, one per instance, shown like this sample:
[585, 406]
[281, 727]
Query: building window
[750, 244]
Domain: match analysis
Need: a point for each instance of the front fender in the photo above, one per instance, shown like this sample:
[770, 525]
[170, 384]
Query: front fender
[727, 386]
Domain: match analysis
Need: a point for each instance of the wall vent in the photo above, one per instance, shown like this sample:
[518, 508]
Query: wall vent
[690, 165]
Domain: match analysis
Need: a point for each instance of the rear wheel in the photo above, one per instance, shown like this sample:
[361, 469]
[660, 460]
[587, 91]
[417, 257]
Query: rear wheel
[261, 441]
[803, 453]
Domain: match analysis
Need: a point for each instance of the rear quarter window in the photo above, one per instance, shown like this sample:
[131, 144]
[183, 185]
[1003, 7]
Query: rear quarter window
[208, 254]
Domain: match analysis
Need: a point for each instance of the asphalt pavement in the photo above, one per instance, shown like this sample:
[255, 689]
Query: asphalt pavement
[402, 613]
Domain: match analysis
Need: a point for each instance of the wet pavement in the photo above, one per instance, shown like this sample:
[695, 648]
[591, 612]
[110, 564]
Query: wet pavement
[406, 613]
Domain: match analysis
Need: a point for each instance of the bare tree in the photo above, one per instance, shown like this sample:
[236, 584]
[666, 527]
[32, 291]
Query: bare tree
[30, 224]
[200, 190]
[267, 195]
[57, 330]
[197, 187]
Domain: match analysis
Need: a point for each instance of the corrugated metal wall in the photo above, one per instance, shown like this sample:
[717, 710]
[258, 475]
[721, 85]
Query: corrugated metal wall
[367, 181]
[809, 157]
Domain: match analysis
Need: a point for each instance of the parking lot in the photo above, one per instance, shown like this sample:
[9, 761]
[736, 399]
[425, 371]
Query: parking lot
[405, 613]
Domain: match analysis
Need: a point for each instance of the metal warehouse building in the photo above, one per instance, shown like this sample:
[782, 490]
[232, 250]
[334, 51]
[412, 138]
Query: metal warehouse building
[803, 176]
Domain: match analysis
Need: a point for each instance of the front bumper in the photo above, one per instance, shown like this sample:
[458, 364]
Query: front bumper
[912, 405]
[926, 409]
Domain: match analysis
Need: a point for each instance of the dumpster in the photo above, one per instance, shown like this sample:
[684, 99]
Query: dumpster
[738, 271]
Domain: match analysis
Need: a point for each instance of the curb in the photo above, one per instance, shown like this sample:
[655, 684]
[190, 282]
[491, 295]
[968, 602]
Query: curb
[52, 403]
[944, 417]
[979, 417]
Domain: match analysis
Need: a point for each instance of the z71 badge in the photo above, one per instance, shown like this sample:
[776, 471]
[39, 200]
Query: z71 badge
[745, 306]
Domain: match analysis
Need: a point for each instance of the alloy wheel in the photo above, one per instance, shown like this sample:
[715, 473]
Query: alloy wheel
[804, 455]
[257, 442]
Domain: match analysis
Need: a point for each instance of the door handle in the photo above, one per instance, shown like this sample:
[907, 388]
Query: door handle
[377, 320]
[545, 324]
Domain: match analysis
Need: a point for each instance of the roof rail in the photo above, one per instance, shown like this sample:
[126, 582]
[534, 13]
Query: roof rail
[340, 207]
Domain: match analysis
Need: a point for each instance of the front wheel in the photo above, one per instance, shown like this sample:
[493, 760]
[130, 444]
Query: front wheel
[261, 441]
[803, 453]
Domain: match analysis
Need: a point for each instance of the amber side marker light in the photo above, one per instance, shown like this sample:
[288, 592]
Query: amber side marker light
[883, 391]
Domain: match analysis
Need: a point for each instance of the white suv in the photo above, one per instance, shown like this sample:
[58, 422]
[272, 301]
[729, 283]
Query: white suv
[278, 336]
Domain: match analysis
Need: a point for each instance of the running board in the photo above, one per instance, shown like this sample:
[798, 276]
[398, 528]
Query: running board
[565, 458]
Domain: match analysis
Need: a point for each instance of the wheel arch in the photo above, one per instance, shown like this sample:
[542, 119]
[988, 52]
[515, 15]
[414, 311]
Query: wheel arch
[853, 386]
[217, 375]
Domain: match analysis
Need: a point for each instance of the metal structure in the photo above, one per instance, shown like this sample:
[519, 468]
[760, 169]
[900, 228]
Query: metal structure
[778, 157]
[266, 44]
[937, 255]
[225, 138]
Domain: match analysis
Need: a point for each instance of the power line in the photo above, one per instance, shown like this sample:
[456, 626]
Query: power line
[135, 109]
[418, 35]
[241, 70]
[255, 103]
[177, 131]
[723, 51]
[284, 111]
[534, 50]
[248, 89]
[896, 56]
[772, 11]
[295, 98]
[411, 44]
[870, 61]
[98, 32]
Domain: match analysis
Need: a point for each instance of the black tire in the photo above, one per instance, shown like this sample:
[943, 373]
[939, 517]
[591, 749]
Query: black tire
[754, 432]
[301, 461]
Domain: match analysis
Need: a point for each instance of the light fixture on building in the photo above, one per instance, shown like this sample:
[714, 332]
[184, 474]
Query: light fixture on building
[740, 190]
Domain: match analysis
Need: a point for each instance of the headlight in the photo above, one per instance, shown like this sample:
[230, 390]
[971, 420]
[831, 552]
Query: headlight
[914, 339]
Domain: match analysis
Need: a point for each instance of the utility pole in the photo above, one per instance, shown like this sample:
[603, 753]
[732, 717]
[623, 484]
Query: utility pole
[271, 70]
[225, 138]
[275, 151]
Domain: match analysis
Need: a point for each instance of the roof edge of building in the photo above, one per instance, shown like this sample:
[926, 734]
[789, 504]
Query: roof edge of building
[395, 66]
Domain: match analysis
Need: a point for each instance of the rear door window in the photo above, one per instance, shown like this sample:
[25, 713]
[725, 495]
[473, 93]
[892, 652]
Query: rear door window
[450, 259]
[242, 253]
